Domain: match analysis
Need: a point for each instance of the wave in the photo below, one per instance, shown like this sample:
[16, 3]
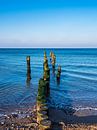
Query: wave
[79, 74]
[82, 77]
[80, 65]
[85, 108]
[25, 98]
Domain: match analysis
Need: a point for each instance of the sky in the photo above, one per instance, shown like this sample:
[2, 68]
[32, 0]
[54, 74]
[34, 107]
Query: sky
[48, 23]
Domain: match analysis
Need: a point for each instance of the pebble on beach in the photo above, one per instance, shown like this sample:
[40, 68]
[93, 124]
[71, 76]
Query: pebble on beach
[19, 119]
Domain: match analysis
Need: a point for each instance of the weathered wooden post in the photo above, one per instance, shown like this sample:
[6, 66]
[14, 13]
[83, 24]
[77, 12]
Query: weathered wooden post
[43, 93]
[51, 56]
[42, 109]
[46, 75]
[28, 68]
[58, 74]
[45, 125]
[53, 60]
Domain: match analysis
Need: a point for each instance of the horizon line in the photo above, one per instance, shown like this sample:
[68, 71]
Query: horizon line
[48, 47]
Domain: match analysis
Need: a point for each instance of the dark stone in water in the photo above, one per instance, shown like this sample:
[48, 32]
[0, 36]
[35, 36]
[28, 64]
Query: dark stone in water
[14, 115]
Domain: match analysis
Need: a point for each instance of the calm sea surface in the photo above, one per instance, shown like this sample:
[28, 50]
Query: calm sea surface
[77, 89]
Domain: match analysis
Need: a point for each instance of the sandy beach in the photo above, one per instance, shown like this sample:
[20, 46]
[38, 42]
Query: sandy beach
[61, 120]
[73, 120]
[20, 119]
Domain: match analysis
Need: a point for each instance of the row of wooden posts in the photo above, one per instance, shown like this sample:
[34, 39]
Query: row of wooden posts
[43, 94]
[53, 61]
[44, 90]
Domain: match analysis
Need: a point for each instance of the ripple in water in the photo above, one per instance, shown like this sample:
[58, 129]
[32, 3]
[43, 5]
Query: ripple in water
[77, 89]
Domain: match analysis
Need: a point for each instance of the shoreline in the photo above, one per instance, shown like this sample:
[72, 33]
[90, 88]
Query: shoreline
[73, 120]
[21, 118]
[61, 119]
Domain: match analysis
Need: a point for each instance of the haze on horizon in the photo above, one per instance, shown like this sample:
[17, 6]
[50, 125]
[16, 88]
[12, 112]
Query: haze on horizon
[48, 23]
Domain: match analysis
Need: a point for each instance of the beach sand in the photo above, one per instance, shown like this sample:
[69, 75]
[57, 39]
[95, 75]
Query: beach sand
[68, 119]
[19, 120]
[73, 120]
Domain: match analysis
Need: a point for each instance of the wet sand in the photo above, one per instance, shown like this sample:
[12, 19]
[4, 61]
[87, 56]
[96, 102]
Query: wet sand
[73, 120]
[19, 120]
[68, 119]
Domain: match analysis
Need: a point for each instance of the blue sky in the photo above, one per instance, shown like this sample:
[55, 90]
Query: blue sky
[48, 23]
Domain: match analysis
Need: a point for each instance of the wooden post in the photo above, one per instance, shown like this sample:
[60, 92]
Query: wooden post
[58, 74]
[53, 60]
[45, 125]
[43, 93]
[28, 68]
[46, 75]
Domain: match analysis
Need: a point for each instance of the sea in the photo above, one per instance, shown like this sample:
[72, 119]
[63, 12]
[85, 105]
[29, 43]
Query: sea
[78, 81]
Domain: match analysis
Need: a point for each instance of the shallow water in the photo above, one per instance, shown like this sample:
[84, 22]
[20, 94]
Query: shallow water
[77, 89]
